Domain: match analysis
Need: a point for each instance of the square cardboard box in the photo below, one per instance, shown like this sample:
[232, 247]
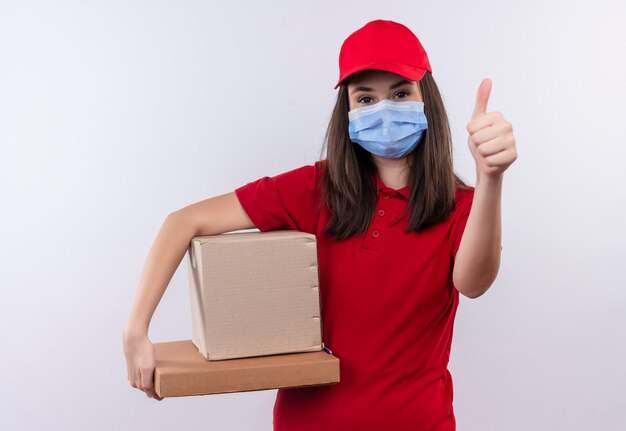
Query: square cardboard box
[254, 294]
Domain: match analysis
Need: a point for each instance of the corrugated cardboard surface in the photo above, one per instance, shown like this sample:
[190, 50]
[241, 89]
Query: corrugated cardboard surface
[254, 294]
[182, 371]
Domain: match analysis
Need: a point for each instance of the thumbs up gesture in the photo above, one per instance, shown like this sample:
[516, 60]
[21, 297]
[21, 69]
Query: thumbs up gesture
[491, 139]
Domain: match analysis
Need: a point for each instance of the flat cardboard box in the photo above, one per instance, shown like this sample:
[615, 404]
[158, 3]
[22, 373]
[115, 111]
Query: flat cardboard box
[182, 371]
[254, 294]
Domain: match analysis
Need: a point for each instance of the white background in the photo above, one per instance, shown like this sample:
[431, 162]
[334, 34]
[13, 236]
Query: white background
[115, 113]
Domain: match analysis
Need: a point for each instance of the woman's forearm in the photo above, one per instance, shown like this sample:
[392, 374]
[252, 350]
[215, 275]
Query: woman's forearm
[163, 259]
[478, 257]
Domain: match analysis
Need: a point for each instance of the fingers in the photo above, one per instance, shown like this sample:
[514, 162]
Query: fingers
[492, 147]
[483, 121]
[147, 382]
[503, 158]
[140, 365]
[133, 379]
[491, 132]
[143, 381]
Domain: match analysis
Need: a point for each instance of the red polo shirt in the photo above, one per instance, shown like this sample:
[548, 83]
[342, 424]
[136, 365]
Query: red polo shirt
[387, 306]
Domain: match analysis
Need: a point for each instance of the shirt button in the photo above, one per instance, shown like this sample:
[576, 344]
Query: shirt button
[381, 212]
[375, 234]
[386, 195]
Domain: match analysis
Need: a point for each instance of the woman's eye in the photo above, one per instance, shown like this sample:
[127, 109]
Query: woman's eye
[366, 99]
[400, 92]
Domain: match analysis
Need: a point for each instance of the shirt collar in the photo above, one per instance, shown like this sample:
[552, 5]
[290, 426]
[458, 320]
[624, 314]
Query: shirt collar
[404, 191]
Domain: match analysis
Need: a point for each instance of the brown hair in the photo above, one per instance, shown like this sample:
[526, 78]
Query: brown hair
[348, 189]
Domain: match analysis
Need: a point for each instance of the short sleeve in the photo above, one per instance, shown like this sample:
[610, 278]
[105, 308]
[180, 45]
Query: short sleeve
[459, 217]
[287, 201]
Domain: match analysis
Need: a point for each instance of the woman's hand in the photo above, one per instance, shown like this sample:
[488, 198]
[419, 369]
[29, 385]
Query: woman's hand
[491, 139]
[140, 363]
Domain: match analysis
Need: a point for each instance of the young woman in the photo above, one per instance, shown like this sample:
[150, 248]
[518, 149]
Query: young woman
[399, 237]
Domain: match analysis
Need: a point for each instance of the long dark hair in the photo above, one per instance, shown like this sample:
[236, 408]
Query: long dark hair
[347, 186]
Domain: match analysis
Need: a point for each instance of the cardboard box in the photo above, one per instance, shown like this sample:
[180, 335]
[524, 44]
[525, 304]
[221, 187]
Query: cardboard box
[182, 371]
[254, 294]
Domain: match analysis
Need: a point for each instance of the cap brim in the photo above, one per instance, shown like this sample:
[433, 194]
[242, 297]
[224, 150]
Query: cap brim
[409, 72]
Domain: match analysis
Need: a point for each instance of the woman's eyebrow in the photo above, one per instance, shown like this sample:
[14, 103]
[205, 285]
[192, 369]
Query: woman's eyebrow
[396, 85]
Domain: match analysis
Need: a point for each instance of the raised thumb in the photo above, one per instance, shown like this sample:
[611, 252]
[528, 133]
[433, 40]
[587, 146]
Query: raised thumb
[482, 97]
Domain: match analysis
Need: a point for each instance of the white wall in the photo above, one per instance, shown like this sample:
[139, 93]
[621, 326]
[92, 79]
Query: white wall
[115, 113]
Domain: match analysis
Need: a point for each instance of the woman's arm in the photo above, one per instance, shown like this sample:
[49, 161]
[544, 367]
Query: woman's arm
[212, 216]
[493, 146]
[477, 260]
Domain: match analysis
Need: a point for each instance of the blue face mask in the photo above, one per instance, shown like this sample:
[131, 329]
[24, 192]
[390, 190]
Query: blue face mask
[387, 128]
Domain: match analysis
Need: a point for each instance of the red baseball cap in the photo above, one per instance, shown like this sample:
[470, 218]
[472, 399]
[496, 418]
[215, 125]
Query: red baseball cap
[383, 45]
